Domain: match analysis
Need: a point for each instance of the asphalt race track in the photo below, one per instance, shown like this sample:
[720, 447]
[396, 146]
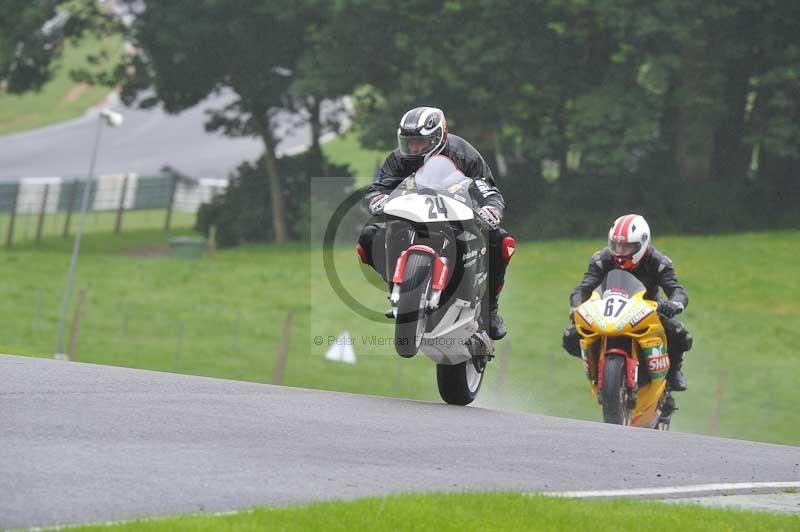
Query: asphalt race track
[87, 443]
[146, 141]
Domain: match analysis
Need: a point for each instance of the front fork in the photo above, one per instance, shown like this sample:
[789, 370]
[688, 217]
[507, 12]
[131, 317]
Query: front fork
[631, 369]
[441, 272]
[401, 240]
[632, 378]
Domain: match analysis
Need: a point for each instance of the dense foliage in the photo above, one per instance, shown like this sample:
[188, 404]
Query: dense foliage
[685, 111]
[242, 215]
[32, 35]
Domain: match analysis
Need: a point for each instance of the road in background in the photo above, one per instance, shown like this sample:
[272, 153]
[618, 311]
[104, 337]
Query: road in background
[148, 140]
[86, 443]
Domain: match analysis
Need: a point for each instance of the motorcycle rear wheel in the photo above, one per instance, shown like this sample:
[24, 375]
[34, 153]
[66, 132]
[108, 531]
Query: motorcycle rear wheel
[459, 384]
[410, 324]
[614, 392]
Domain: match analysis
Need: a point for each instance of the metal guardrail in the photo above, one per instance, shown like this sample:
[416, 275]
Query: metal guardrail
[44, 201]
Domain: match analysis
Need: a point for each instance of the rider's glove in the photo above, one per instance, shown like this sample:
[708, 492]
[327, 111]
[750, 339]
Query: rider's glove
[491, 216]
[670, 308]
[376, 204]
[570, 341]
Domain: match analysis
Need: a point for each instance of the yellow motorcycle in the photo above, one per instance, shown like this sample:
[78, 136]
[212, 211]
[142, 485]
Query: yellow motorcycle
[624, 353]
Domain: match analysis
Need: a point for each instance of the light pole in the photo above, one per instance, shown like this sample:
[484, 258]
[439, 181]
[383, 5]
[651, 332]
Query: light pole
[112, 119]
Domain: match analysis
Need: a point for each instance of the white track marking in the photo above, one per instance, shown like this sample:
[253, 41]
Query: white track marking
[143, 519]
[672, 490]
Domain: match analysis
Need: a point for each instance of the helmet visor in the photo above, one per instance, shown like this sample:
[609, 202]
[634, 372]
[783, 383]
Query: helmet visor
[418, 145]
[624, 249]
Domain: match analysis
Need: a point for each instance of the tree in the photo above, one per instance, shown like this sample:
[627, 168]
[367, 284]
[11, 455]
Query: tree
[191, 49]
[638, 106]
[32, 35]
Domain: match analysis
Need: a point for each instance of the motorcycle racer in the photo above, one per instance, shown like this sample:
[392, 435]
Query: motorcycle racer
[630, 248]
[422, 134]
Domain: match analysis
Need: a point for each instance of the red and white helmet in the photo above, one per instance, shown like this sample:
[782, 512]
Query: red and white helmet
[629, 240]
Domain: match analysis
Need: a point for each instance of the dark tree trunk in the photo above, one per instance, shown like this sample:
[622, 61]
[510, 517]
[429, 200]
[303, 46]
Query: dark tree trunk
[315, 151]
[780, 176]
[271, 169]
[563, 147]
[693, 117]
[731, 154]
[693, 144]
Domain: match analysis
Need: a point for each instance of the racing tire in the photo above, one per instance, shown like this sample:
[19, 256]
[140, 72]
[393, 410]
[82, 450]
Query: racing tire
[410, 323]
[614, 392]
[459, 384]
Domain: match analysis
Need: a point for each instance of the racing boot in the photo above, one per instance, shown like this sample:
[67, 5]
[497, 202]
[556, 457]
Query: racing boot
[501, 247]
[491, 318]
[675, 379]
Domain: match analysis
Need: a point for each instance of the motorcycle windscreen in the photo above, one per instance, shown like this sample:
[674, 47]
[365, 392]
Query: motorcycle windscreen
[620, 282]
[438, 176]
[438, 173]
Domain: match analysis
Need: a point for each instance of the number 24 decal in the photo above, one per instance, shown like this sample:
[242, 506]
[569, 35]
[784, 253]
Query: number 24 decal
[609, 310]
[440, 206]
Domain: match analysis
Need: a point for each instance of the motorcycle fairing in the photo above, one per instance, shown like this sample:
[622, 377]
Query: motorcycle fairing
[432, 212]
[447, 342]
[434, 208]
[620, 312]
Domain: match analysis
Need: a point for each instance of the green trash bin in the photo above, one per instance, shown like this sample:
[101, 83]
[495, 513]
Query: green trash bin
[187, 247]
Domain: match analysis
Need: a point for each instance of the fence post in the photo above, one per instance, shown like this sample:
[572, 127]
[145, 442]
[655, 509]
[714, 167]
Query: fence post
[39, 311]
[212, 239]
[502, 371]
[235, 343]
[70, 206]
[125, 320]
[76, 325]
[121, 207]
[171, 204]
[716, 412]
[42, 212]
[283, 350]
[398, 378]
[176, 360]
[12, 218]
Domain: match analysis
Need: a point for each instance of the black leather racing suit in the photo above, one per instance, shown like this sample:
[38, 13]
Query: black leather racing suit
[654, 271]
[467, 159]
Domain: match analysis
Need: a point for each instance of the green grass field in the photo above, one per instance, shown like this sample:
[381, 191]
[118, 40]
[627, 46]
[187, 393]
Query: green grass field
[61, 98]
[346, 149]
[473, 512]
[224, 315]
[26, 225]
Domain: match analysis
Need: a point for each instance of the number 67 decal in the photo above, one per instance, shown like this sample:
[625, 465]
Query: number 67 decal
[611, 303]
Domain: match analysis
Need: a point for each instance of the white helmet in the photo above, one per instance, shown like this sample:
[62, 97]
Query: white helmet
[629, 240]
[422, 133]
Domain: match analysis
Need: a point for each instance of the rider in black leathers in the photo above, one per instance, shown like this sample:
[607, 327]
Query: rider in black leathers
[654, 270]
[421, 135]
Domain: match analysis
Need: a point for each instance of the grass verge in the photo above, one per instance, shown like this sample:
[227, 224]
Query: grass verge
[474, 511]
[224, 316]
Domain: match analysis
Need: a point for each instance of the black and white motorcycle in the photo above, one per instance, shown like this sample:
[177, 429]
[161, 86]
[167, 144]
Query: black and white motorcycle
[440, 262]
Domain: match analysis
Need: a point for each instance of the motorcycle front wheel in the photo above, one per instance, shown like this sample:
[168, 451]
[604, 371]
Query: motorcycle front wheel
[614, 392]
[410, 324]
